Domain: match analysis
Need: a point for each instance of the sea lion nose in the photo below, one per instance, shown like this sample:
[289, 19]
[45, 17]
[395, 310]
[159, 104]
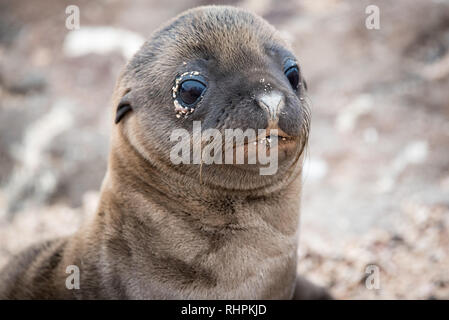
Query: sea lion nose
[272, 103]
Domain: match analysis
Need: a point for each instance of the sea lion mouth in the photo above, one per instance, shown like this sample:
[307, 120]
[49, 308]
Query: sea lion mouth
[272, 137]
[269, 139]
[282, 142]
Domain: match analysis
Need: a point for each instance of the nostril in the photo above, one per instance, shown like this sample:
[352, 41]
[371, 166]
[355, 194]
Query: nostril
[272, 103]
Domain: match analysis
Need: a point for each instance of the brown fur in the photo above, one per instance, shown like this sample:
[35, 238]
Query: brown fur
[160, 233]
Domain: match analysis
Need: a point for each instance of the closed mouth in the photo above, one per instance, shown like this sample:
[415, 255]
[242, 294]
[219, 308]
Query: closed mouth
[272, 140]
[273, 136]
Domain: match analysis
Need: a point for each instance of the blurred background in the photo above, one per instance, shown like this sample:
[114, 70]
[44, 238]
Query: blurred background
[376, 182]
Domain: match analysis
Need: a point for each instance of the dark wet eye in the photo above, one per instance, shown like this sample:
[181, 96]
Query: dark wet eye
[190, 91]
[292, 73]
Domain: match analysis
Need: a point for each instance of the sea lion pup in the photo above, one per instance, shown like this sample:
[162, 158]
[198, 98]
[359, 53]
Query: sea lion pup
[190, 231]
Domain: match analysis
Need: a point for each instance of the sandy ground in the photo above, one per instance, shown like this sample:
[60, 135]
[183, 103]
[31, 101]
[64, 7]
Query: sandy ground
[376, 183]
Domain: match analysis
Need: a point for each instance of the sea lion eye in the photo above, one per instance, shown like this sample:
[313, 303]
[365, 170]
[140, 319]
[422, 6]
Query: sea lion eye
[190, 91]
[291, 71]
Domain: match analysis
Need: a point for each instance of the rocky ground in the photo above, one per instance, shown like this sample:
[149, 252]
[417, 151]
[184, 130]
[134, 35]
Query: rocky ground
[376, 184]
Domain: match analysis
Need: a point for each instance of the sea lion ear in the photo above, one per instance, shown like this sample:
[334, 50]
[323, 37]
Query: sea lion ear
[123, 107]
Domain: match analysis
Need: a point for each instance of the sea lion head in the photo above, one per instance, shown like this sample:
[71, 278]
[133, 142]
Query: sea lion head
[223, 68]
